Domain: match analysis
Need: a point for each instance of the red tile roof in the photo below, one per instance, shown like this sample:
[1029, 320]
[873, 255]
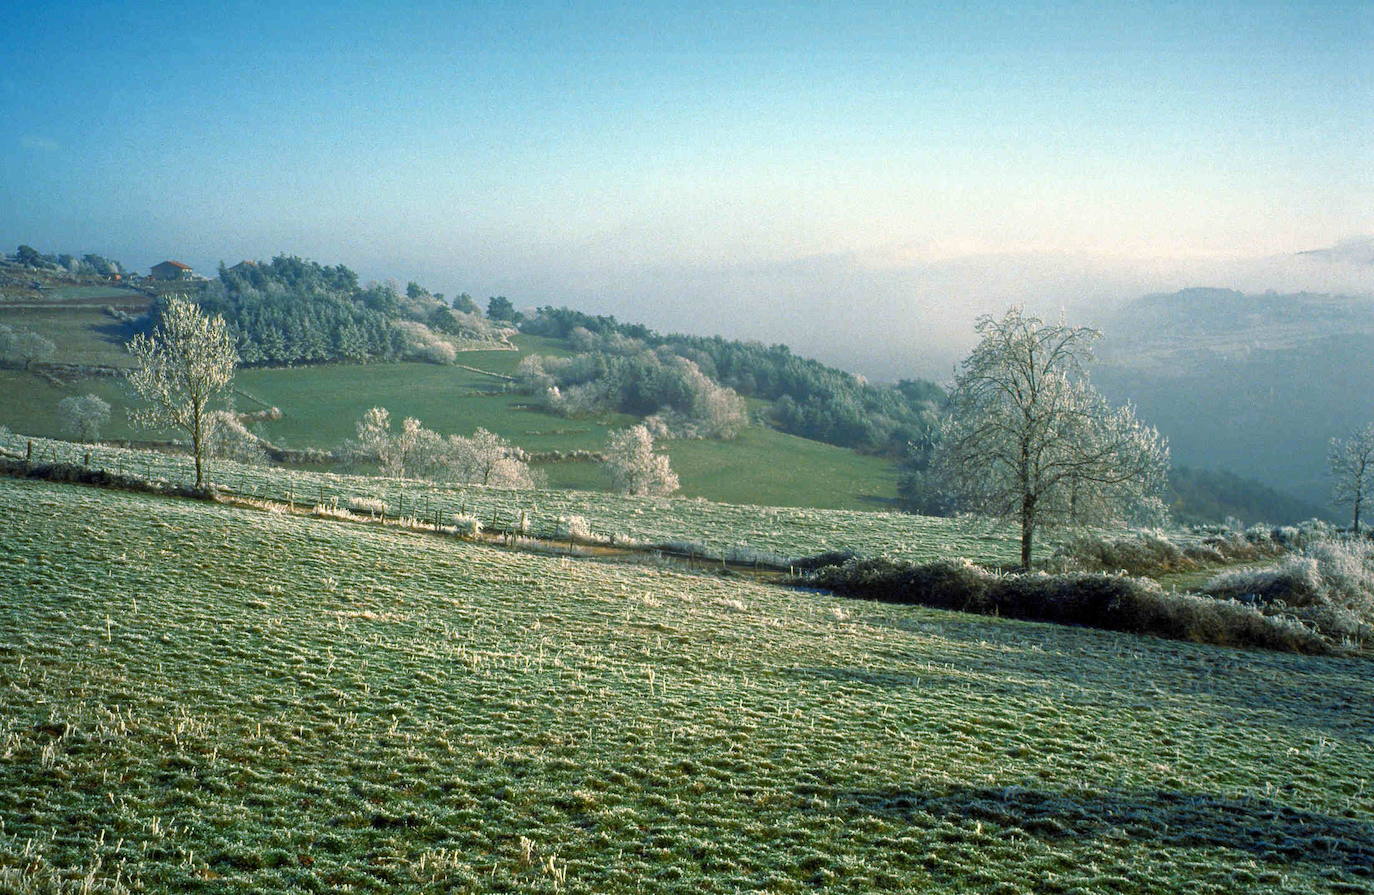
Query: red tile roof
[175, 264]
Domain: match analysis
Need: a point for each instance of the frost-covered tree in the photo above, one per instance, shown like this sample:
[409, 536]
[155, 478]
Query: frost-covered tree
[1030, 439]
[83, 416]
[24, 346]
[1351, 462]
[395, 453]
[633, 465]
[185, 363]
[485, 458]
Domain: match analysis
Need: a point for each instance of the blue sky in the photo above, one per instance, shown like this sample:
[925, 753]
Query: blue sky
[659, 153]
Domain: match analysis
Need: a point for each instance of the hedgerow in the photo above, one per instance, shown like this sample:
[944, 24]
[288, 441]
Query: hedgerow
[1110, 602]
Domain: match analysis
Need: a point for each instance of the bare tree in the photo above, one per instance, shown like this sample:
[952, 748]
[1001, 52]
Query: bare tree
[83, 416]
[185, 364]
[1031, 440]
[1351, 462]
[634, 466]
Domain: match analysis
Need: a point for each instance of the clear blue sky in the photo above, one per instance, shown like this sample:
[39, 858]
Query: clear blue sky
[538, 147]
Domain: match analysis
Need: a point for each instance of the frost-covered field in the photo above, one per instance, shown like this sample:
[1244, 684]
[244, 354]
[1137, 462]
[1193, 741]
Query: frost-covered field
[720, 528]
[203, 698]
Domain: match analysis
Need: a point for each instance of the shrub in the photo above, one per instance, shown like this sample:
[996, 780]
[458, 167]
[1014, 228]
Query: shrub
[946, 583]
[370, 505]
[227, 438]
[422, 343]
[466, 526]
[1138, 553]
[1329, 585]
[572, 528]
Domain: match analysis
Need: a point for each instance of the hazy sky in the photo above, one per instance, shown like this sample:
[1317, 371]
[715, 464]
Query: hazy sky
[859, 172]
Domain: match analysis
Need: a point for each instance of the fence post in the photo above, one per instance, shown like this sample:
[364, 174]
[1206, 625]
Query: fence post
[28, 452]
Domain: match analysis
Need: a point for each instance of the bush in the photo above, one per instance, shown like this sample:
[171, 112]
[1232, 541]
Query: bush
[572, 528]
[466, 526]
[227, 438]
[678, 399]
[1110, 602]
[1329, 585]
[821, 560]
[423, 344]
[370, 505]
[1152, 552]
[1138, 553]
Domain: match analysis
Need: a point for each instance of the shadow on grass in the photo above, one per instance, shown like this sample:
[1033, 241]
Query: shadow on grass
[1263, 828]
[1334, 693]
[114, 332]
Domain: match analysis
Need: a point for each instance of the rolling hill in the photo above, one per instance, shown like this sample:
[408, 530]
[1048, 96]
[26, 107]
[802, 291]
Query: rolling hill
[322, 402]
[180, 680]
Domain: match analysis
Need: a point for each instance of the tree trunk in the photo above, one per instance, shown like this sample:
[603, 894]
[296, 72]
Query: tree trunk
[1356, 525]
[195, 446]
[1027, 530]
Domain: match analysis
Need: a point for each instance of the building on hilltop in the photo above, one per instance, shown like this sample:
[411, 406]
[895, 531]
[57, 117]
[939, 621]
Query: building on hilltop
[171, 270]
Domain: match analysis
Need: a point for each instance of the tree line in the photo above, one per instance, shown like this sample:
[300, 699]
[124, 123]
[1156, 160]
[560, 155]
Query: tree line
[810, 399]
[291, 311]
[62, 262]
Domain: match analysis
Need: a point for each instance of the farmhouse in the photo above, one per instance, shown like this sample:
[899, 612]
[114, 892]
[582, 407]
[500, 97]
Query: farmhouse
[171, 270]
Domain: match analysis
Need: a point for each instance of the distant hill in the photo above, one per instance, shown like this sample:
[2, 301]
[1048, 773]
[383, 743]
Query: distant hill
[1206, 495]
[1256, 384]
[1350, 251]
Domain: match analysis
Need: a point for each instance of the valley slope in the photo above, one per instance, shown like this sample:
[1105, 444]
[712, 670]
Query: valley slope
[202, 698]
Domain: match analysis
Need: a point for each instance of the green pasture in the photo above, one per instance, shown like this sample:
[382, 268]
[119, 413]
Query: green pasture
[205, 699]
[29, 403]
[323, 404]
[761, 466]
[105, 294]
[84, 335]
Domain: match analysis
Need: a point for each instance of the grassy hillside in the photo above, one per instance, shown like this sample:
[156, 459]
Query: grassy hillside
[206, 699]
[82, 332]
[323, 403]
[719, 527]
